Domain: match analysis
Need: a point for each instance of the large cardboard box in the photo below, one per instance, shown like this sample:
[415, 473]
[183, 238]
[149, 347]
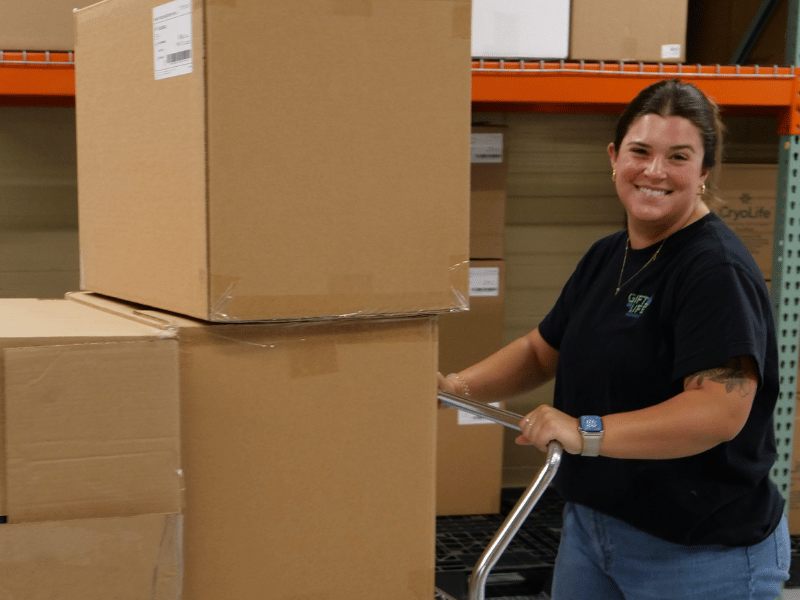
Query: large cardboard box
[90, 472]
[520, 28]
[469, 449]
[254, 160]
[38, 24]
[749, 194]
[309, 456]
[488, 175]
[646, 31]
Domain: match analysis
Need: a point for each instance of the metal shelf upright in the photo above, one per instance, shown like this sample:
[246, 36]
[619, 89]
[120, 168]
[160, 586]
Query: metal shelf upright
[785, 288]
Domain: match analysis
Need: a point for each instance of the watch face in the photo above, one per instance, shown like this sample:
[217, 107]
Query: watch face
[591, 424]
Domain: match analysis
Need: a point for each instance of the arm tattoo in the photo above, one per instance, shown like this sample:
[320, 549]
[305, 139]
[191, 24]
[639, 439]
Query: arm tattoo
[733, 375]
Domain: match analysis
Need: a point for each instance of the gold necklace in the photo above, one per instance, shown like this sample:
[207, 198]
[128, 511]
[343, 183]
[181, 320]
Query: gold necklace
[625, 259]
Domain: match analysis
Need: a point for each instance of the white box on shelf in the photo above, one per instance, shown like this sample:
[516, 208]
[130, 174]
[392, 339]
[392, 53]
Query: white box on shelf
[520, 28]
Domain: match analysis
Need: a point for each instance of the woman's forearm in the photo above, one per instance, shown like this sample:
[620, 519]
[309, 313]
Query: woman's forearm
[521, 366]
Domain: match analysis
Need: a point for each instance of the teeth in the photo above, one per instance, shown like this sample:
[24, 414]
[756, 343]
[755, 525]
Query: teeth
[653, 192]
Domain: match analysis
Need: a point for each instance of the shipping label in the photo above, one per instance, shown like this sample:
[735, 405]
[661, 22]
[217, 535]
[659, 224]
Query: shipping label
[486, 148]
[465, 418]
[172, 39]
[484, 281]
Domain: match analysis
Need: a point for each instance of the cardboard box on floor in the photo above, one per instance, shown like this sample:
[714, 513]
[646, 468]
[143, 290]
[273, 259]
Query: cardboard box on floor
[90, 475]
[488, 174]
[38, 24]
[624, 30]
[254, 160]
[309, 456]
[470, 450]
[749, 193]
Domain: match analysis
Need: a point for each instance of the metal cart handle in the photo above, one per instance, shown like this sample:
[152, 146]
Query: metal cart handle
[502, 538]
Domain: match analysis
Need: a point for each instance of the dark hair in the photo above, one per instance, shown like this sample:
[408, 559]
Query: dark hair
[674, 98]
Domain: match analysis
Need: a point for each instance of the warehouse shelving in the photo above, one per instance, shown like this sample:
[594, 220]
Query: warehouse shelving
[48, 79]
[37, 78]
[40, 78]
[539, 86]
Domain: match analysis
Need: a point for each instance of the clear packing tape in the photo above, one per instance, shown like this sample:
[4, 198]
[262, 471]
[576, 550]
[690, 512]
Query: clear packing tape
[342, 296]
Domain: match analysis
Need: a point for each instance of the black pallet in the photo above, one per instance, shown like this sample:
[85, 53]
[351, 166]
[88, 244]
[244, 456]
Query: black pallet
[794, 568]
[525, 569]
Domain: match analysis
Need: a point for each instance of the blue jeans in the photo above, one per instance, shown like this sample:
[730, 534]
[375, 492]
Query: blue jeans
[601, 558]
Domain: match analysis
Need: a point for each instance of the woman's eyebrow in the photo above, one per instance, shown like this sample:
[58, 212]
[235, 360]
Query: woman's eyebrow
[671, 148]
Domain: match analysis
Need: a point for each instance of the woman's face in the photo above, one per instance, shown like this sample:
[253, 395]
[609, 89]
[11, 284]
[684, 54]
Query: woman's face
[659, 172]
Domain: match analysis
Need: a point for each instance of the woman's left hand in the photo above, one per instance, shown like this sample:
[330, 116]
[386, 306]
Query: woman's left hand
[545, 424]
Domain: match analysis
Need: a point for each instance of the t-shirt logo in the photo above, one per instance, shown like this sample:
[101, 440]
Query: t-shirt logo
[637, 304]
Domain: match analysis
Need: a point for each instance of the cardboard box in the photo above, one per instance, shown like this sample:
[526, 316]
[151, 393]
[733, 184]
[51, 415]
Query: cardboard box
[87, 398]
[308, 451]
[38, 24]
[520, 28]
[470, 450]
[623, 30]
[488, 174]
[749, 193]
[90, 471]
[280, 160]
[126, 558]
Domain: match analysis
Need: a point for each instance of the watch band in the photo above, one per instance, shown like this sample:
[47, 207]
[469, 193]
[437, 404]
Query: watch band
[591, 428]
[591, 443]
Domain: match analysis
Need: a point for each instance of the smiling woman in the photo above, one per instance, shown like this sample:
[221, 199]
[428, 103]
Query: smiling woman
[659, 174]
[663, 338]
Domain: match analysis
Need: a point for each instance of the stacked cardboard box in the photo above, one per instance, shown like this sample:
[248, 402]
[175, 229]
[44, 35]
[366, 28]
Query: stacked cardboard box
[520, 29]
[252, 182]
[620, 30]
[470, 450]
[265, 160]
[90, 469]
[38, 24]
[308, 453]
[749, 194]
[612, 30]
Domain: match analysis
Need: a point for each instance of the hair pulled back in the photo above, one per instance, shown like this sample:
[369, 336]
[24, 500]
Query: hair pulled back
[674, 98]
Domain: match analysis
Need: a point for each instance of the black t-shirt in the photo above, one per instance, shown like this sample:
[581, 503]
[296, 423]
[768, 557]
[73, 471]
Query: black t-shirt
[701, 302]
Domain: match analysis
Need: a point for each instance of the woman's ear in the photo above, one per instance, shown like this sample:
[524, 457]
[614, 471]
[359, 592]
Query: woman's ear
[612, 155]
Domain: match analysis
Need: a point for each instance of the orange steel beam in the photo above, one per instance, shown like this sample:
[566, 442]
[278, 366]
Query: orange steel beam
[49, 78]
[37, 78]
[598, 87]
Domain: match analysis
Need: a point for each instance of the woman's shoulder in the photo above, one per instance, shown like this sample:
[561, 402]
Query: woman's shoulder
[710, 246]
[716, 243]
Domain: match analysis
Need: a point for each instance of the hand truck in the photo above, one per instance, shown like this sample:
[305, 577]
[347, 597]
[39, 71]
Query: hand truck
[520, 512]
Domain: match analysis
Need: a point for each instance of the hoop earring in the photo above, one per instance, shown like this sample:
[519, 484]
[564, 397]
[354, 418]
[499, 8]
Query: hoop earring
[613, 174]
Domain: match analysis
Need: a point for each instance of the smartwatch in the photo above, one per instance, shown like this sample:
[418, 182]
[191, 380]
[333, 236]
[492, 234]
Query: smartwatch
[591, 428]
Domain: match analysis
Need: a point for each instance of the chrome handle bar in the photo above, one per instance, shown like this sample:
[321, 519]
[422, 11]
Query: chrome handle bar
[502, 538]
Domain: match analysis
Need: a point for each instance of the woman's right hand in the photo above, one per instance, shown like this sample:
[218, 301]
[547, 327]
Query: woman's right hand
[446, 385]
